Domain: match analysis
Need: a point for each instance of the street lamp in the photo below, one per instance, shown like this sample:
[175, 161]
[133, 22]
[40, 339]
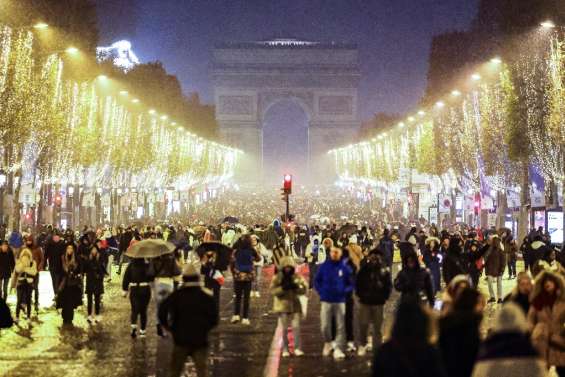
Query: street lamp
[40, 26]
[548, 24]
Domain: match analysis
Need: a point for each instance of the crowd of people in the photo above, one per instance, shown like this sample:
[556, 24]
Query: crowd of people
[353, 265]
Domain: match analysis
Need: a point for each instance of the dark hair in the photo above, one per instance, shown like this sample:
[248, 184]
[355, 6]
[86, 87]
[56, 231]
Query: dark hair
[466, 300]
[245, 242]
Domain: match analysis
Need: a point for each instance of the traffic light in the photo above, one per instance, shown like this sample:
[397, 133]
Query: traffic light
[287, 184]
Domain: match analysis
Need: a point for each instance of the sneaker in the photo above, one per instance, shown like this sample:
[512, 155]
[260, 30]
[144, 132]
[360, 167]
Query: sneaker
[257, 294]
[235, 319]
[298, 352]
[142, 333]
[285, 353]
[245, 321]
[134, 332]
[351, 347]
[491, 300]
[361, 351]
[89, 319]
[327, 349]
[338, 354]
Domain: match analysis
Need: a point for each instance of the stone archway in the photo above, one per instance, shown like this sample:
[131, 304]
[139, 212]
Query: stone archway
[322, 78]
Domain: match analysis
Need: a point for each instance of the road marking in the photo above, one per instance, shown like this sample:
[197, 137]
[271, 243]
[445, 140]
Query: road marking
[274, 357]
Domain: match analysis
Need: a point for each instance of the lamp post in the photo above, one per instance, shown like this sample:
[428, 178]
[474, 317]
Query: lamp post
[3, 178]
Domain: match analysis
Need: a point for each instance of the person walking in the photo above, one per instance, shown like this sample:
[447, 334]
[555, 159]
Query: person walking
[432, 260]
[508, 350]
[257, 265]
[409, 351]
[373, 287]
[495, 262]
[189, 314]
[24, 276]
[7, 265]
[54, 250]
[287, 287]
[95, 270]
[459, 333]
[415, 281]
[520, 295]
[243, 275]
[37, 255]
[545, 319]
[454, 262]
[333, 283]
[137, 282]
[16, 242]
[315, 255]
[213, 278]
[510, 250]
[69, 295]
[166, 269]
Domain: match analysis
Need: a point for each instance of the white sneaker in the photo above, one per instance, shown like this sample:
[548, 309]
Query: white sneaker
[351, 347]
[235, 319]
[327, 349]
[142, 333]
[338, 354]
[298, 352]
[257, 294]
[245, 321]
[285, 354]
[361, 351]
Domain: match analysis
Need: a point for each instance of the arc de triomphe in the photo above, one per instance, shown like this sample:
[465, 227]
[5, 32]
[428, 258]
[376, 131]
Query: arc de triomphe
[322, 78]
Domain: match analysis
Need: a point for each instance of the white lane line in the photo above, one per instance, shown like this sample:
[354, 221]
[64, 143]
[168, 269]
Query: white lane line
[274, 357]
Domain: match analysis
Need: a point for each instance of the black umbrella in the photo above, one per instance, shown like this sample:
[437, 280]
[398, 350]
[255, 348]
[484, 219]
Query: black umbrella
[231, 220]
[349, 229]
[223, 253]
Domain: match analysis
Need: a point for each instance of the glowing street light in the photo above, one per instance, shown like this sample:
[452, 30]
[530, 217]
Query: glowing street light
[440, 104]
[548, 24]
[40, 26]
[456, 93]
[71, 50]
[123, 92]
[496, 60]
[152, 112]
[164, 117]
[475, 77]
[135, 100]
[401, 125]
[411, 119]
[421, 113]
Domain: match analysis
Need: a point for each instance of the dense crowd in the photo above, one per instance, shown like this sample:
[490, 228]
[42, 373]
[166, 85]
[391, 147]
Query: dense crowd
[354, 265]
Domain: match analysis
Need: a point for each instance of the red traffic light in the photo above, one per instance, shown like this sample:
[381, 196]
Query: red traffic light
[287, 184]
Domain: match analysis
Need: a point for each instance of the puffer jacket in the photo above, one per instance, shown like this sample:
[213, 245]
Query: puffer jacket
[287, 300]
[334, 281]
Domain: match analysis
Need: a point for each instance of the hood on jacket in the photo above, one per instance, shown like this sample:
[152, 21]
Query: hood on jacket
[429, 240]
[510, 319]
[287, 261]
[458, 279]
[540, 279]
[537, 244]
[26, 252]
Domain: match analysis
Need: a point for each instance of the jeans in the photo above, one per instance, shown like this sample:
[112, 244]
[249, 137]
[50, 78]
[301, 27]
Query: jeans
[312, 271]
[179, 356]
[96, 298]
[162, 291]
[55, 280]
[36, 291]
[257, 281]
[109, 265]
[139, 298]
[490, 280]
[293, 319]
[4, 287]
[242, 288]
[371, 315]
[24, 299]
[349, 307]
[328, 311]
[511, 267]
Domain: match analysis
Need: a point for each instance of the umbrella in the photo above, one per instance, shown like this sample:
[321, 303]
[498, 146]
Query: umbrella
[150, 248]
[231, 220]
[223, 253]
[348, 228]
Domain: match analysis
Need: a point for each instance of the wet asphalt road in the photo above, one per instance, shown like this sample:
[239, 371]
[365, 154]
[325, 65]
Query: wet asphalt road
[44, 348]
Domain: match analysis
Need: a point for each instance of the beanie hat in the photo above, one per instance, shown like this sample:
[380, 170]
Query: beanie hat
[190, 271]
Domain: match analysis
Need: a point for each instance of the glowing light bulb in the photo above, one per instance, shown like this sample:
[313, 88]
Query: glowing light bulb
[475, 77]
[455, 93]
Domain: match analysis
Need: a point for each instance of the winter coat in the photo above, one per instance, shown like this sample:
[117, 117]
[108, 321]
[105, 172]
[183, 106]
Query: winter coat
[387, 247]
[334, 281]
[242, 266]
[70, 290]
[137, 272]
[408, 360]
[495, 261]
[454, 264]
[508, 354]
[546, 325]
[432, 260]
[459, 340]
[53, 253]
[16, 240]
[25, 273]
[536, 251]
[315, 254]
[523, 301]
[374, 282]
[95, 270]
[7, 263]
[416, 282]
[37, 255]
[286, 291]
[190, 313]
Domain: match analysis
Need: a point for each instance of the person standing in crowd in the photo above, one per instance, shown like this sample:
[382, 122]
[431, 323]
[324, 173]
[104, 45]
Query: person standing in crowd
[495, 263]
[373, 287]
[287, 287]
[409, 351]
[69, 295]
[54, 251]
[510, 250]
[520, 295]
[387, 246]
[315, 255]
[454, 262]
[137, 281]
[415, 281]
[37, 255]
[538, 250]
[24, 276]
[16, 242]
[243, 275]
[508, 351]
[189, 314]
[545, 319]
[213, 278]
[166, 269]
[123, 244]
[257, 266]
[459, 333]
[333, 283]
[95, 270]
[432, 261]
[7, 265]
[352, 256]
[476, 261]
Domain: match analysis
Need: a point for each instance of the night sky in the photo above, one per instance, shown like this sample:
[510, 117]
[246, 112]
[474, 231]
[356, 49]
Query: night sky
[393, 36]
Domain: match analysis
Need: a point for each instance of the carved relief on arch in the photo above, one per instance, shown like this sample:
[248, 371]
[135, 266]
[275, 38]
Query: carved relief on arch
[304, 99]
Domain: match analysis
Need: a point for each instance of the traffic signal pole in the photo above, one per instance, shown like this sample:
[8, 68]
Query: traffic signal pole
[287, 213]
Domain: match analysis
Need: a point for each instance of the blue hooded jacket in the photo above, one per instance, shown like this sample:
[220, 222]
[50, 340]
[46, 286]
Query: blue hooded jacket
[16, 239]
[334, 281]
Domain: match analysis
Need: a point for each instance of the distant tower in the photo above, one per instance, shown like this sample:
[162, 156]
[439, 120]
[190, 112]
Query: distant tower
[120, 53]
